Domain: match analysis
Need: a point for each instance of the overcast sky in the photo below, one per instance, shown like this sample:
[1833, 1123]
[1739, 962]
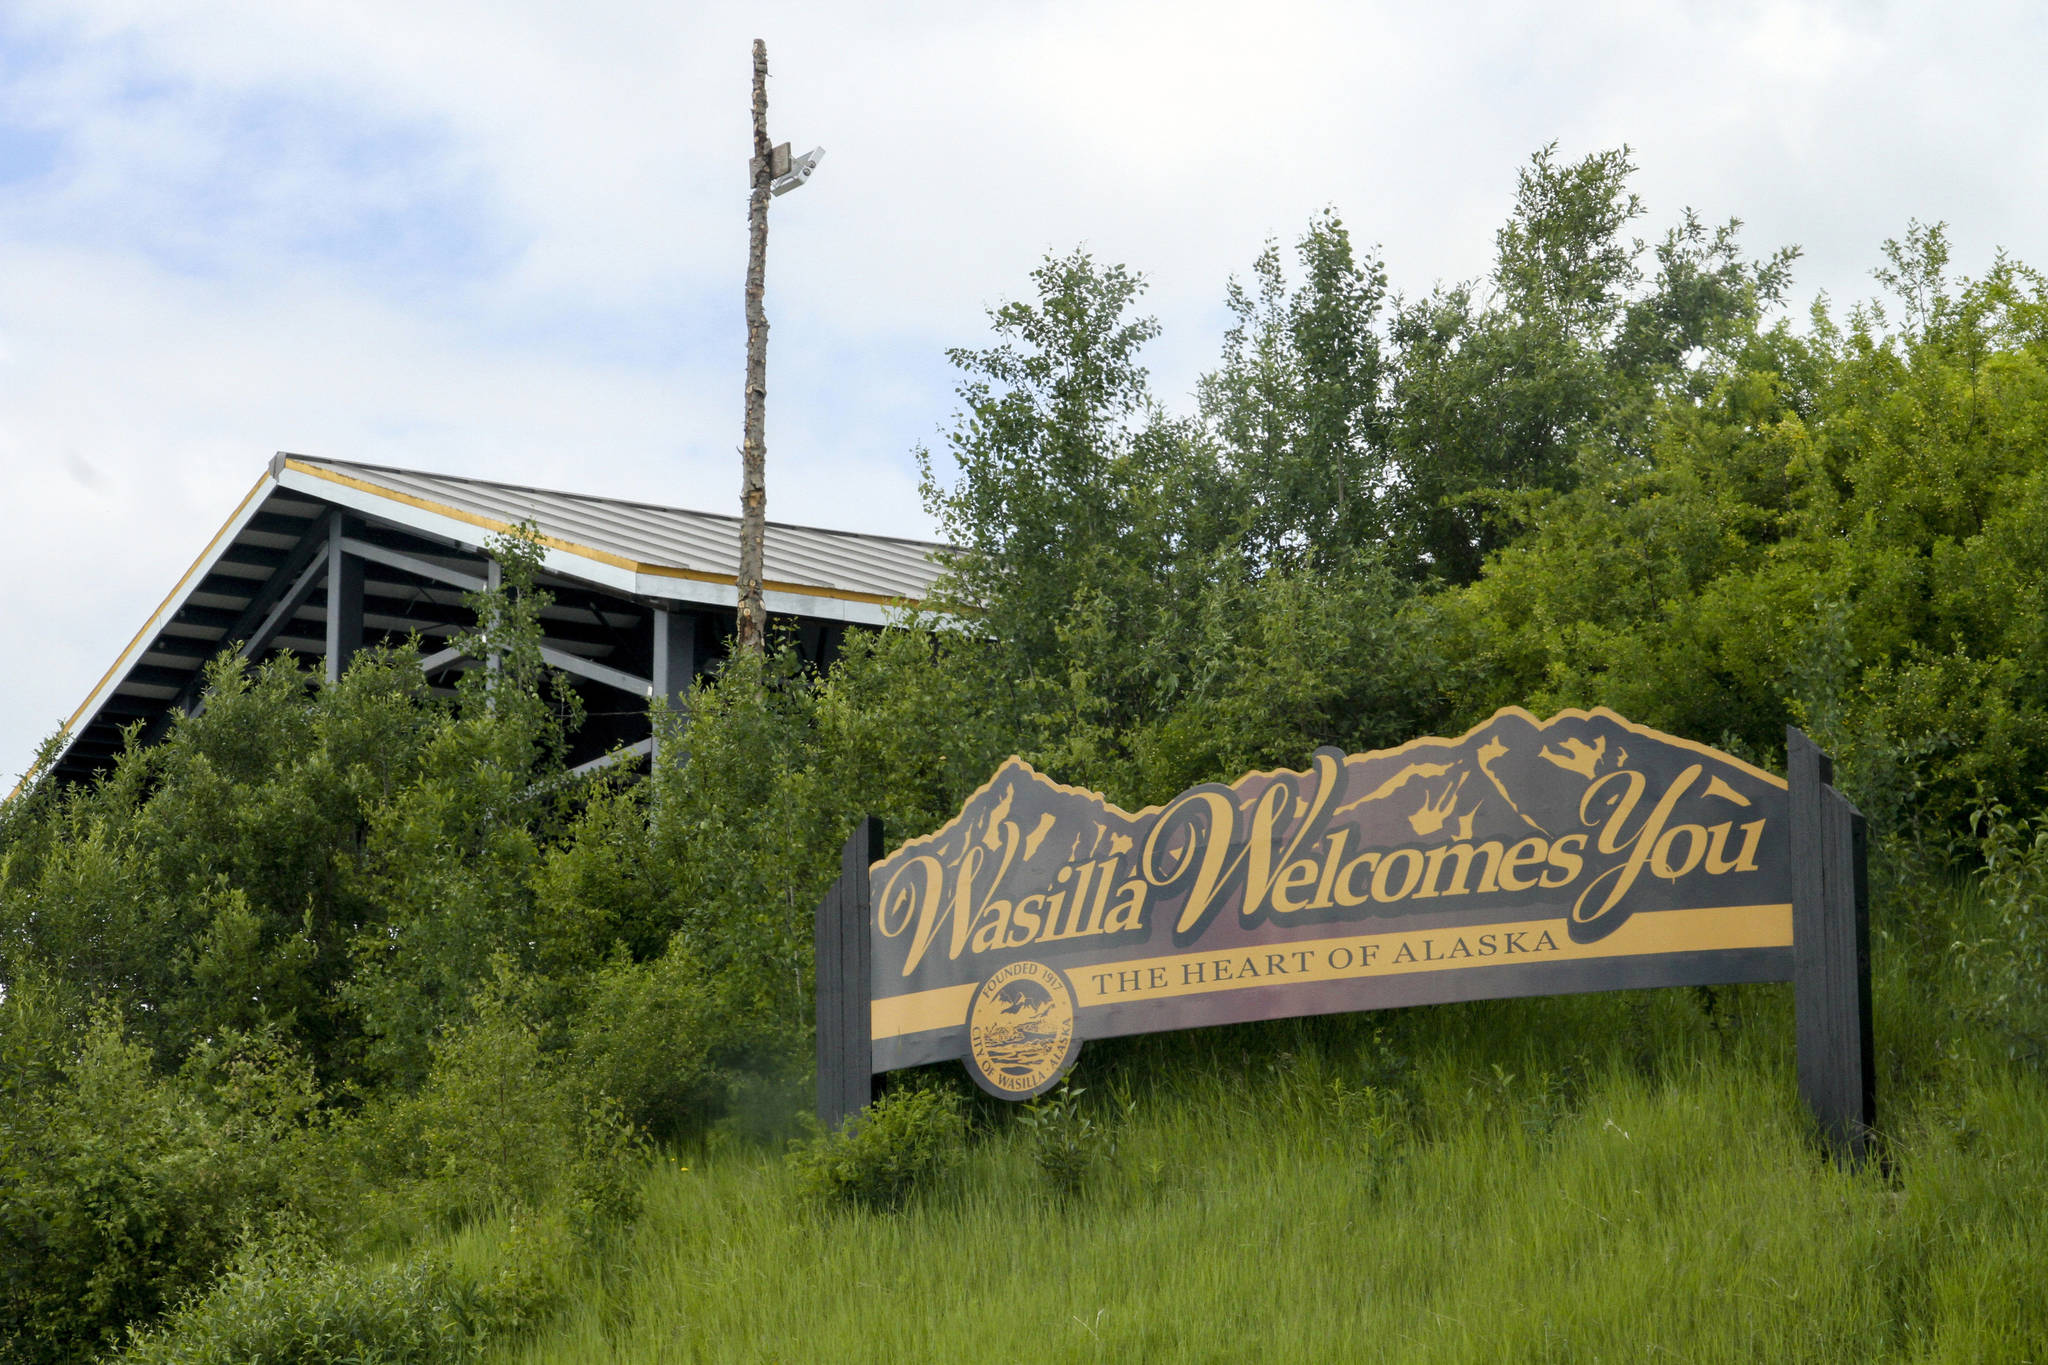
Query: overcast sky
[507, 239]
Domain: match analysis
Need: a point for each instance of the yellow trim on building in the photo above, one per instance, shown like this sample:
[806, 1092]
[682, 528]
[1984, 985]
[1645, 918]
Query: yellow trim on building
[586, 551]
[153, 624]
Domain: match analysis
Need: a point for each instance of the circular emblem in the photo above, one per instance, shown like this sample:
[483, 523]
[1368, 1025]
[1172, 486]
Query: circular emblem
[1020, 1030]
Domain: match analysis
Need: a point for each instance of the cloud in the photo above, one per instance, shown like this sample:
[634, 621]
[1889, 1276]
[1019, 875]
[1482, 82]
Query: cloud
[506, 239]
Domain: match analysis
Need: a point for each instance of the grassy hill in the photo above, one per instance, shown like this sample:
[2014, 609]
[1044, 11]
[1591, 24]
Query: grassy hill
[1622, 1177]
[346, 1024]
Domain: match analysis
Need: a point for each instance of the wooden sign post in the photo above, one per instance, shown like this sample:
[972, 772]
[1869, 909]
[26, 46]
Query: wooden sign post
[1524, 857]
[846, 1069]
[1831, 951]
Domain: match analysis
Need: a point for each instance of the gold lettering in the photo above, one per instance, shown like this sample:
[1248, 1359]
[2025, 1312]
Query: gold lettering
[1566, 862]
[1292, 877]
[1640, 844]
[1259, 872]
[1620, 806]
[1108, 866]
[1529, 854]
[1080, 905]
[1408, 881]
[903, 905]
[1695, 847]
[1026, 920]
[962, 912]
[1326, 886]
[994, 932]
[1345, 895]
[1210, 872]
[1464, 854]
[1745, 861]
[1129, 910]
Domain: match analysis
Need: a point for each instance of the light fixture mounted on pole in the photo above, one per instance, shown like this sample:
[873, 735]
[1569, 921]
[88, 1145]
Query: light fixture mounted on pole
[774, 172]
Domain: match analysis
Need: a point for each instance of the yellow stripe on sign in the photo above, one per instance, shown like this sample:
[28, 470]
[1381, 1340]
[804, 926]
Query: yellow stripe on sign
[1361, 956]
[926, 1010]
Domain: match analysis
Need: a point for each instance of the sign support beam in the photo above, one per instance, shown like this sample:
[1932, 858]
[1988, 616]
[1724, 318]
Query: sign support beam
[845, 988]
[1831, 952]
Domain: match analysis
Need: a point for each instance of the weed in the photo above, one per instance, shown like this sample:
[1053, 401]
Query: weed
[906, 1141]
[1066, 1141]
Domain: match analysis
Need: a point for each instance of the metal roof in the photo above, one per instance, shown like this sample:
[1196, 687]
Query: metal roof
[653, 542]
[251, 580]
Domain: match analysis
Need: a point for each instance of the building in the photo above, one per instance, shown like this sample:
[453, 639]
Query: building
[325, 557]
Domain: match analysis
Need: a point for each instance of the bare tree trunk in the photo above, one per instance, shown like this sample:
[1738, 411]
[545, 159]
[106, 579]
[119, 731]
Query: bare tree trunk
[753, 620]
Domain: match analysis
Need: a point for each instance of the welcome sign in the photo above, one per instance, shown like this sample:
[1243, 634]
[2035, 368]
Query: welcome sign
[1525, 857]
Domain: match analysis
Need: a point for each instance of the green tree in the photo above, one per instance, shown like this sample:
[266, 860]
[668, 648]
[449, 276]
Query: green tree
[1500, 392]
[1072, 484]
[1295, 405]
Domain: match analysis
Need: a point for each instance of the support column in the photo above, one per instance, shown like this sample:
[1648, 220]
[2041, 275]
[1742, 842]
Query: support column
[494, 582]
[344, 601]
[1831, 952]
[675, 662]
[846, 1073]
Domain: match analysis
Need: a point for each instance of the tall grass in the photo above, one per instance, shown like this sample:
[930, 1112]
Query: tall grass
[1621, 1177]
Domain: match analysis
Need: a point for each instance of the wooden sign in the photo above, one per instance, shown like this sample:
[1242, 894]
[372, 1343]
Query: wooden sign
[1525, 857]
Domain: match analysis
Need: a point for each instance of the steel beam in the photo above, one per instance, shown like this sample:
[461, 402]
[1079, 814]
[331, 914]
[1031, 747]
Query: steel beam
[631, 751]
[412, 564]
[675, 662]
[344, 599]
[596, 672]
[287, 607]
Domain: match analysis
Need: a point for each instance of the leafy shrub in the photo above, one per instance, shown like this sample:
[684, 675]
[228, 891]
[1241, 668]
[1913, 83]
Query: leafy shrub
[644, 1037]
[500, 1123]
[293, 1304]
[1066, 1141]
[2014, 876]
[121, 1190]
[907, 1141]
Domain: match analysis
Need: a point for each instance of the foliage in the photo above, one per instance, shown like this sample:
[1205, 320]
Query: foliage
[1842, 532]
[326, 978]
[124, 1189]
[903, 1144]
[2014, 879]
[498, 1124]
[1067, 1144]
[1498, 391]
[292, 1302]
[1297, 405]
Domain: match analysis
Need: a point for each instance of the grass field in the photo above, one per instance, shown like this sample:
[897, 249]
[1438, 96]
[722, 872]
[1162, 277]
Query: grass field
[1618, 1177]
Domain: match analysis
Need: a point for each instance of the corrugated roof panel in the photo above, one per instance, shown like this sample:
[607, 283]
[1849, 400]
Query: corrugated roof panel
[701, 543]
[804, 566]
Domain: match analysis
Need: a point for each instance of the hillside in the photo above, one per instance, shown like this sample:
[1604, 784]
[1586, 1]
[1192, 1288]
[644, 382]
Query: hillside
[1613, 1178]
[342, 1021]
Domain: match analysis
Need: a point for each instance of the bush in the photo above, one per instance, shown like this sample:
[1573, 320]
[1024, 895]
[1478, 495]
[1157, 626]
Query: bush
[291, 1303]
[1066, 1142]
[2014, 878]
[121, 1190]
[907, 1141]
[644, 1037]
[500, 1124]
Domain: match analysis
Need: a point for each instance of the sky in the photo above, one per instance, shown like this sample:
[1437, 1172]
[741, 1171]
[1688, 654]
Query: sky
[508, 239]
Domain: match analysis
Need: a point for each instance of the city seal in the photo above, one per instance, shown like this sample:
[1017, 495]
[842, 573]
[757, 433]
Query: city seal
[1020, 1030]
